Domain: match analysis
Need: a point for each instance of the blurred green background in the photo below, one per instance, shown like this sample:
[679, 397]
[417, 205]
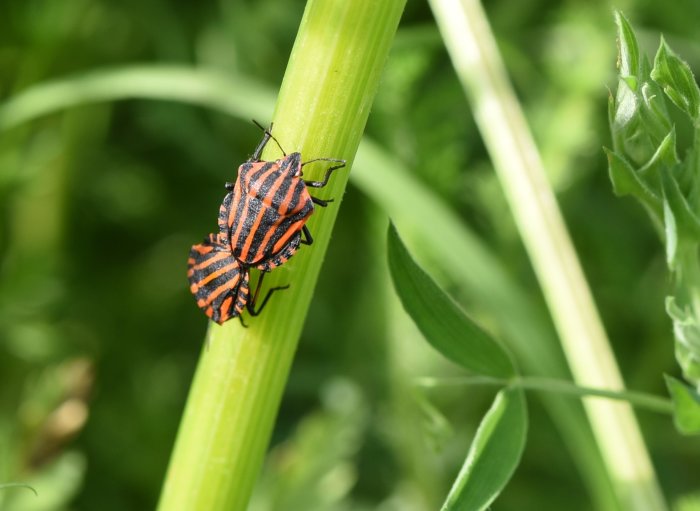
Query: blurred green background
[99, 205]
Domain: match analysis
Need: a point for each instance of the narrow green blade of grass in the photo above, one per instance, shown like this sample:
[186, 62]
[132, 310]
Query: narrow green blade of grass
[232, 94]
[322, 109]
[493, 455]
[441, 321]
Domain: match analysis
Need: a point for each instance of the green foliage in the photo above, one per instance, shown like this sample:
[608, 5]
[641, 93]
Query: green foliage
[449, 330]
[500, 439]
[646, 165]
[677, 80]
[493, 456]
[686, 403]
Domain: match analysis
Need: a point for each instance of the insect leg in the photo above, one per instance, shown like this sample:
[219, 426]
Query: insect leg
[321, 184]
[321, 202]
[251, 303]
[306, 239]
[224, 213]
[334, 160]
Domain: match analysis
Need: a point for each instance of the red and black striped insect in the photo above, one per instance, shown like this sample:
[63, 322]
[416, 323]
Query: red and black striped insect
[219, 283]
[262, 223]
[265, 212]
[217, 280]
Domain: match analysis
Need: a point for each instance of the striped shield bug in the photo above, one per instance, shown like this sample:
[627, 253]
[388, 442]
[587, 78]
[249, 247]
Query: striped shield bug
[265, 212]
[217, 280]
[220, 284]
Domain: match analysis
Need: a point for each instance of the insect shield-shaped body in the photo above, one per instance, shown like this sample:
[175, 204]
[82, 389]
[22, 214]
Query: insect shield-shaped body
[261, 225]
[265, 211]
[217, 280]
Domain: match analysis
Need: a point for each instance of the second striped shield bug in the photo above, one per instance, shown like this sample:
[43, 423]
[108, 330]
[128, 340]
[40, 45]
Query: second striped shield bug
[220, 284]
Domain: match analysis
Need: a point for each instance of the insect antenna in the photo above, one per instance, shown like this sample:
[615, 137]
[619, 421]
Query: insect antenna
[268, 135]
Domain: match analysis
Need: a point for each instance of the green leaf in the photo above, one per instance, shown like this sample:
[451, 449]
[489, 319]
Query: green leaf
[686, 332]
[671, 235]
[627, 182]
[441, 321]
[688, 359]
[628, 49]
[687, 222]
[677, 80]
[624, 107]
[685, 318]
[500, 439]
[493, 455]
[686, 406]
[664, 156]
[656, 118]
[639, 120]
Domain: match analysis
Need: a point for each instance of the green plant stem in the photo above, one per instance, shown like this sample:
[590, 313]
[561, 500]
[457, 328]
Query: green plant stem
[322, 109]
[516, 159]
[638, 399]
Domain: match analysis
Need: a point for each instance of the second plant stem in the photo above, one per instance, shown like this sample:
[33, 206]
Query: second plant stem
[475, 56]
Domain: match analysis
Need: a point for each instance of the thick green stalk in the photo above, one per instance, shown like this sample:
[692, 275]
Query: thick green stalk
[322, 109]
[516, 159]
